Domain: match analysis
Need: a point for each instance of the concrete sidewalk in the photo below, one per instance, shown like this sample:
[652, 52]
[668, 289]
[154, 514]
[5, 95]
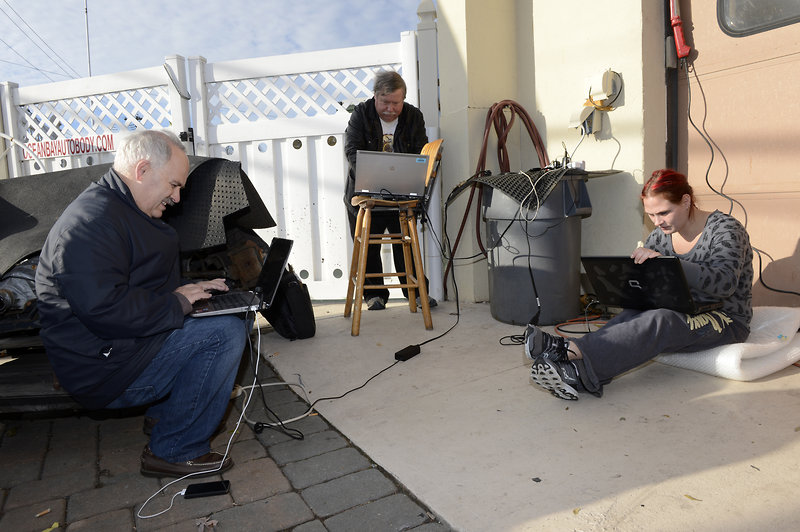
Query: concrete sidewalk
[464, 429]
[77, 473]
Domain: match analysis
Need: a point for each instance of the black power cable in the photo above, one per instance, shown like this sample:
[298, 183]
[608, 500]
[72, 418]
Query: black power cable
[711, 146]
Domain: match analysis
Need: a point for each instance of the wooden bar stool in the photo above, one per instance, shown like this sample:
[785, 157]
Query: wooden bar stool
[408, 238]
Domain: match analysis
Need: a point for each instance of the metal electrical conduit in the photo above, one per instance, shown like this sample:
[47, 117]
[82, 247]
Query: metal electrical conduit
[496, 118]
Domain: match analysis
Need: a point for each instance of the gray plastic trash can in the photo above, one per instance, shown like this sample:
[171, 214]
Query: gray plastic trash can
[543, 242]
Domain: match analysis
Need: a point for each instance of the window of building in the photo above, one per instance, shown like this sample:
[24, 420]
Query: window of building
[739, 18]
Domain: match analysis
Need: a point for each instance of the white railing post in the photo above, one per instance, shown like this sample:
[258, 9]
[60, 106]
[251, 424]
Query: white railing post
[199, 104]
[428, 69]
[408, 60]
[10, 124]
[179, 95]
[428, 72]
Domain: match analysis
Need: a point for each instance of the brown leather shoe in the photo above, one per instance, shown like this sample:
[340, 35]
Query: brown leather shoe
[211, 463]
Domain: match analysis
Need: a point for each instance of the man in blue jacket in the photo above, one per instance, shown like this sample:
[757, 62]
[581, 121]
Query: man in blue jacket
[385, 122]
[113, 309]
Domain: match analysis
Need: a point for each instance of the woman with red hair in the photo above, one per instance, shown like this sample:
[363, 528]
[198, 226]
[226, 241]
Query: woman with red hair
[714, 250]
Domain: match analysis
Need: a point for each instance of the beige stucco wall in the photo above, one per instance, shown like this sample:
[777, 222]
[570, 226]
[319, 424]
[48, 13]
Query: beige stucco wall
[542, 54]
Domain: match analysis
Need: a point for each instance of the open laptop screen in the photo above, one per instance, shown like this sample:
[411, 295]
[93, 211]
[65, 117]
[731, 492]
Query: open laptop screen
[656, 283]
[391, 175]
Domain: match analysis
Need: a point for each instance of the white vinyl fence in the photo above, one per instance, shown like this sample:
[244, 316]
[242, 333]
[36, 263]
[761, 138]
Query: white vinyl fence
[282, 117]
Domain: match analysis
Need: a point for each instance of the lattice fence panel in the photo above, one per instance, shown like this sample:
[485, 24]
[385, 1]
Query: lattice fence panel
[290, 96]
[95, 115]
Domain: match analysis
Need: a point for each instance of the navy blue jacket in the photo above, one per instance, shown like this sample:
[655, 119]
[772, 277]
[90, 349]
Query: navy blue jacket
[105, 285]
[364, 132]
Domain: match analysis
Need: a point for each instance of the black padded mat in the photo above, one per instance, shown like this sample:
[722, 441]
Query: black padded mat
[217, 188]
[519, 185]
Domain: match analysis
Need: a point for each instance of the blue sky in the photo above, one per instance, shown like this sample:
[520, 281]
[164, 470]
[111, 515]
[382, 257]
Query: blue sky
[50, 35]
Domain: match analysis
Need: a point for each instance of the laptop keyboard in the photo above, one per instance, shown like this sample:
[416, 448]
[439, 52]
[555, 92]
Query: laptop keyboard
[231, 300]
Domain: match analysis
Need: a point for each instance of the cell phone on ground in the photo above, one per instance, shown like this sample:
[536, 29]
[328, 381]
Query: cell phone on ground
[207, 489]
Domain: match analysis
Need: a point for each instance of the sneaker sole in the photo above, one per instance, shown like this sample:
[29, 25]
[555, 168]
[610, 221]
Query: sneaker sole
[545, 375]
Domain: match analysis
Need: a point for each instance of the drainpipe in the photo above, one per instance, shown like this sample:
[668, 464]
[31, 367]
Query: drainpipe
[671, 65]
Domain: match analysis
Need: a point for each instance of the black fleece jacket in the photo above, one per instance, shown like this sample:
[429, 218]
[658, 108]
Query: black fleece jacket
[105, 285]
[364, 132]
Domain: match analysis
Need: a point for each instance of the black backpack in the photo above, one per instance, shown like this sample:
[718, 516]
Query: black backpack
[291, 313]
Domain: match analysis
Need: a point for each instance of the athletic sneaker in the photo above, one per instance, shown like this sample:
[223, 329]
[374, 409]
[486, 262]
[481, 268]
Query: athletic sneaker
[539, 343]
[431, 302]
[560, 378]
[376, 303]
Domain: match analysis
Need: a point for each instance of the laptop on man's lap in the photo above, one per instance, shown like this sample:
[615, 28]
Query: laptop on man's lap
[261, 297]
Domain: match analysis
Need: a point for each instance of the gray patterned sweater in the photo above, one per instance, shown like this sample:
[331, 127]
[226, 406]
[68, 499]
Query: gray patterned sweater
[719, 267]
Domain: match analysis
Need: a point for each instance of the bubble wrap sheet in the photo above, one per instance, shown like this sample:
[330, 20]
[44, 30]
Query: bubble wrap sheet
[773, 345]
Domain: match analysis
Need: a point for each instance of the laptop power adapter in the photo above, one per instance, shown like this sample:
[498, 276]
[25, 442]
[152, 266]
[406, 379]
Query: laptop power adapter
[407, 353]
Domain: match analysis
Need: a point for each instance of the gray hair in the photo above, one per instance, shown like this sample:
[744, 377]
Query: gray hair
[146, 144]
[388, 81]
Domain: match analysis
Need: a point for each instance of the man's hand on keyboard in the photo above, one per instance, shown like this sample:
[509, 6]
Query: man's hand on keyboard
[202, 289]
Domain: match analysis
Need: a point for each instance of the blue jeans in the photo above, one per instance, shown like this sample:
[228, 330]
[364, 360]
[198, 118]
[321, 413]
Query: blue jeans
[193, 373]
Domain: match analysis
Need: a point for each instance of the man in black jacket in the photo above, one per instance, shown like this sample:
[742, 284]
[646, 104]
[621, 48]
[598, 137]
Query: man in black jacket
[385, 122]
[113, 309]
